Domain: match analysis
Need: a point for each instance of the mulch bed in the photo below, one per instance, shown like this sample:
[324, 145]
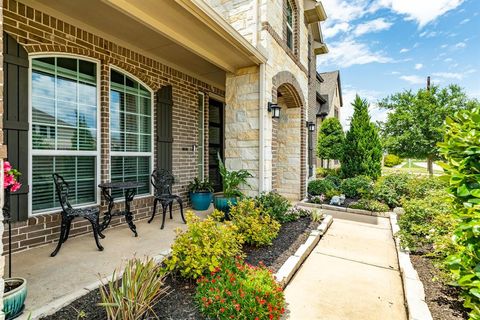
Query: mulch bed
[178, 303]
[442, 300]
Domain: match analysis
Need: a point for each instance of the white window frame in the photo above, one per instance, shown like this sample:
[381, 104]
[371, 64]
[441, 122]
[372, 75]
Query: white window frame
[202, 155]
[32, 153]
[150, 154]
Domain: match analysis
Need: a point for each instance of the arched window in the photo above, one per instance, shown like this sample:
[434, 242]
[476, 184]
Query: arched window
[289, 24]
[130, 131]
[65, 126]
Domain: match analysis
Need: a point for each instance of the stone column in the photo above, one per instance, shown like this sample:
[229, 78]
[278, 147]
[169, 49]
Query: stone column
[242, 125]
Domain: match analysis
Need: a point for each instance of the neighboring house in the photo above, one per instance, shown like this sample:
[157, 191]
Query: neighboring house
[328, 104]
[109, 90]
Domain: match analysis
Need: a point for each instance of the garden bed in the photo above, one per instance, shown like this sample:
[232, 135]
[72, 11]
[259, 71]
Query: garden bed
[178, 303]
[442, 300]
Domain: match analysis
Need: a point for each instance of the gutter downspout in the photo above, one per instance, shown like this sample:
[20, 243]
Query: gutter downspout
[261, 125]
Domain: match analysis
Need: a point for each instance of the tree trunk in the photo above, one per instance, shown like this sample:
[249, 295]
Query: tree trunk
[430, 165]
[328, 163]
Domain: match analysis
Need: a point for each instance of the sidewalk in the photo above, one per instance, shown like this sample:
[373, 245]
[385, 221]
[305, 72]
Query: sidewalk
[351, 274]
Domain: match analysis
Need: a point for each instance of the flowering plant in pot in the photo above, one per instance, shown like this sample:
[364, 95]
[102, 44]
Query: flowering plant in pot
[15, 291]
[201, 194]
[231, 181]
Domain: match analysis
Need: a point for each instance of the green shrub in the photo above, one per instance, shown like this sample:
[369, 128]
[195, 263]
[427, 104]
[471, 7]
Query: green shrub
[421, 185]
[255, 227]
[239, 291]
[274, 205]
[461, 149]
[323, 172]
[391, 160]
[335, 180]
[136, 293]
[390, 189]
[356, 187]
[320, 186]
[201, 248]
[427, 224]
[331, 193]
[370, 205]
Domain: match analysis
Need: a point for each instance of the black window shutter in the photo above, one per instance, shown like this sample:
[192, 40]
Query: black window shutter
[164, 128]
[15, 120]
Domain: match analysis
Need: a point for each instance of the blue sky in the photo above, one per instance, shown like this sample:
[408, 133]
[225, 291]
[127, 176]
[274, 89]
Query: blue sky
[385, 46]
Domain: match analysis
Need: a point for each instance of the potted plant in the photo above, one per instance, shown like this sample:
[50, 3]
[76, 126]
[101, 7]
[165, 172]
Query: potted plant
[15, 290]
[231, 181]
[201, 194]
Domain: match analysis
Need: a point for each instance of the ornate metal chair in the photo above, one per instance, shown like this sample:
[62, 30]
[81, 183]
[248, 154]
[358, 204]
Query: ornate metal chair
[162, 180]
[69, 213]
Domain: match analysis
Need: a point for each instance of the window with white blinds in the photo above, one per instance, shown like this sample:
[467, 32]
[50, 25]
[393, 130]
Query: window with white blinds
[130, 131]
[64, 130]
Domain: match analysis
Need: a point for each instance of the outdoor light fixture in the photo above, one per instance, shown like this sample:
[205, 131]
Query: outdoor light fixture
[274, 109]
[311, 126]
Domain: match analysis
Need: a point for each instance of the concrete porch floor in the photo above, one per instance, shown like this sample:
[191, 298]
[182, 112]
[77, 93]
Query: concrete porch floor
[77, 268]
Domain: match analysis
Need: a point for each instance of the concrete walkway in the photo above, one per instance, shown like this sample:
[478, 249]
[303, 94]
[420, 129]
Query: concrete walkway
[351, 274]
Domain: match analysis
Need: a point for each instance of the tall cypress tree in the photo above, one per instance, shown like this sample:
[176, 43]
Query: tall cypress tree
[362, 153]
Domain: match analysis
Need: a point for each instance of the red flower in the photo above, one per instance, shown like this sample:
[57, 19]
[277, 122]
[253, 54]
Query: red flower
[222, 310]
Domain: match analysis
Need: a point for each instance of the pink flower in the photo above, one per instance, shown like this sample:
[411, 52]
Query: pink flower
[6, 166]
[8, 180]
[16, 186]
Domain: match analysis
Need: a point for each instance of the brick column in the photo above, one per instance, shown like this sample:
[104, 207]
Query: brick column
[104, 87]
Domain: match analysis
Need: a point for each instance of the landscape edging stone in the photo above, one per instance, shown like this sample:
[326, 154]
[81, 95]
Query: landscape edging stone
[413, 289]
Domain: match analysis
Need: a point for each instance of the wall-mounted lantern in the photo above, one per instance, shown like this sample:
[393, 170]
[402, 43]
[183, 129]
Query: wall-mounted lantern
[274, 109]
[311, 126]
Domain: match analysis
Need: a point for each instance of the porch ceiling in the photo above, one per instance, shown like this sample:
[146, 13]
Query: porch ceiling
[183, 34]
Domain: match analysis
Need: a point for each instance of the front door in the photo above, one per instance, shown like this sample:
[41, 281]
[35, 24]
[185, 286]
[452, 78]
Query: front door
[215, 142]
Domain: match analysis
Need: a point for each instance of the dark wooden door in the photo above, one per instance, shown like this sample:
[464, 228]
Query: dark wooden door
[216, 139]
[15, 120]
[164, 128]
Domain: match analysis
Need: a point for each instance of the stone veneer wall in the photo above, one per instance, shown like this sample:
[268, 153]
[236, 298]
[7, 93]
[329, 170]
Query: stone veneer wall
[39, 32]
[241, 124]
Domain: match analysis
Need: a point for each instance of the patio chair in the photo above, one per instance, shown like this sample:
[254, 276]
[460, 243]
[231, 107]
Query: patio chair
[69, 213]
[162, 181]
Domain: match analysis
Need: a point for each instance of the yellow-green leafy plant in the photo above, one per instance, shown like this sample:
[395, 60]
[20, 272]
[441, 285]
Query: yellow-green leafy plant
[133, 296]
[202, 247]
[255, 227]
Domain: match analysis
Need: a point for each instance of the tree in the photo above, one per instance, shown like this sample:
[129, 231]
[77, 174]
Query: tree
[415, 123]
[330, 140]
[362, 152]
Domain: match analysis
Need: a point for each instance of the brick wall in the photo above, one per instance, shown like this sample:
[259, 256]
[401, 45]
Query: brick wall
[39, 32]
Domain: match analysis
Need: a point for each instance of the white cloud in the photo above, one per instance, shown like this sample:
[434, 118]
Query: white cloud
[413, 79]
[422, 12]
[448, 60]
[464, 21]
[452, 75]
[460, 45]
[395, 73]
[330, 32]
[372, 26]
[403, 50]
[350, 52]
[418, 66]
[448, 75]
[443, 46]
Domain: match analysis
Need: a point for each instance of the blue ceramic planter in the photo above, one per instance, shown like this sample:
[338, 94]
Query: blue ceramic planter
[223, 204]
[13, 300]
[201, 200]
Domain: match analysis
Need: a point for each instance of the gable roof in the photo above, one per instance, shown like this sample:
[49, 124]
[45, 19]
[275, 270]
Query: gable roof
[331, 80]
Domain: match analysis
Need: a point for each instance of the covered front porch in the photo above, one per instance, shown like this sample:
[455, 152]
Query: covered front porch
[79, 266]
